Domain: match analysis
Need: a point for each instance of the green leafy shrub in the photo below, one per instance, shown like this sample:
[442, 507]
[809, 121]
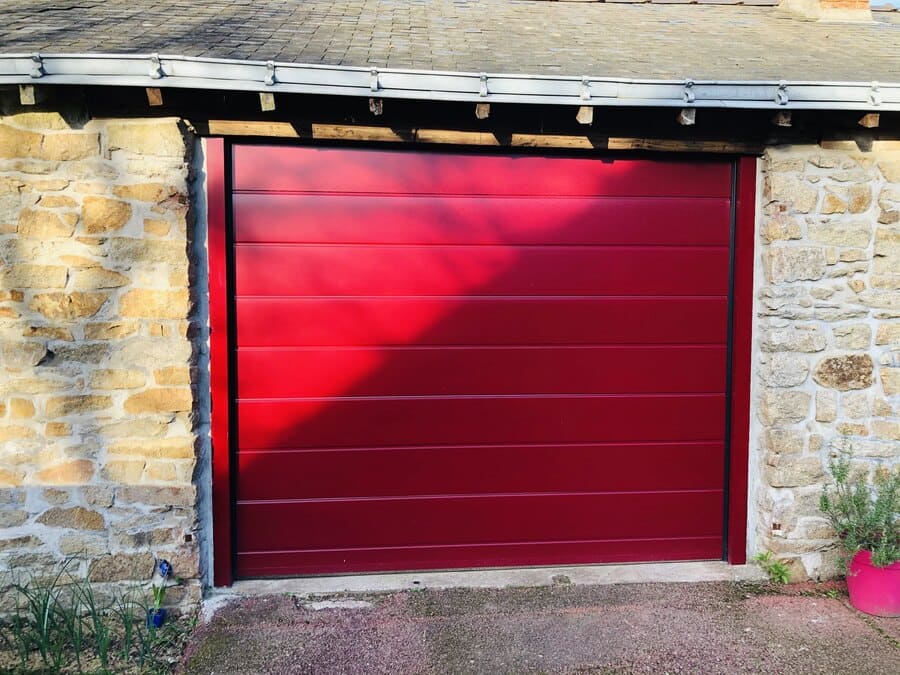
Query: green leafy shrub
[774, 568]
[864, 517]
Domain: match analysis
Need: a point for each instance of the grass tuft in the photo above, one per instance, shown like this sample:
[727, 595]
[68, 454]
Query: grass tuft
[63, 624]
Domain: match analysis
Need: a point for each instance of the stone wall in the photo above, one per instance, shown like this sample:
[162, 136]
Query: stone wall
[827, 337]
[97, 338]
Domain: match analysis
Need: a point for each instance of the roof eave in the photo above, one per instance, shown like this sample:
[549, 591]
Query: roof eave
[157, 70]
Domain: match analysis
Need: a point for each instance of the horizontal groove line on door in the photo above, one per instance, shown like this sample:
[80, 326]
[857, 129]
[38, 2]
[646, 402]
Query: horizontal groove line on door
[369, 244]
[470, 298]
[543, 542]
[482, 446]
[397, 347]
[478, 397]
[479, 195]
[483, 495]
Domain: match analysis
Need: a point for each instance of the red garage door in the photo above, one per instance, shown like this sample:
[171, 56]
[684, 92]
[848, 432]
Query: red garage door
[452, 360]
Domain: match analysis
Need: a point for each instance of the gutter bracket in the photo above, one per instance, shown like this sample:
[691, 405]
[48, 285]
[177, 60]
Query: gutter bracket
[483, 88]
[875, 94]
[156, 71]
[689, 93]
[781, 94]
[585, 89]
[374, 84]
[270, 73]
[37, 65]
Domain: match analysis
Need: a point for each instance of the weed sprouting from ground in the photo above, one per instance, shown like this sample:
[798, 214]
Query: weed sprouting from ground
[63, 624]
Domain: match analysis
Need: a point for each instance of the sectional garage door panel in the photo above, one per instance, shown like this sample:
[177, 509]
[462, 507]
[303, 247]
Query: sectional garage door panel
[477, 221]
[484, 370]
[450, 360]
[474, 320]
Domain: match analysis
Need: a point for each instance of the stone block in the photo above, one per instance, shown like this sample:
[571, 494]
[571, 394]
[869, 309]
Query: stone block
[859, 198]
[22, 354]
[784, 441]
[890, 381]
[28, 275]
[160, 472]
[855, 336]
[20, 408]
[72, 472]
[794, 472]
[850, 429]
[855, 404]
[74, 518]
[109, 330]
[97, 278]
[157, 496]
[145, 192]
[162, 137]
[833, 203]
[41, 224]
[68, 306]
[123, 472]
[102, 215]
[856, 234]
[806, 339]
[172, 375]
[785, 263]
[148, 251]
[117, 379]
[19, 143]
[783, 407]
[780, 227]
[136, 427]
[57, 202]
[791, 191]
[14, 432]
[826, 406]
[83, 546]
[60, 406]
[887, 430]
[852, 371]
[122, 567]
[160, 400]
[70, 146]
[152, 304]
[888, 334]
[156, 448]
[157, 227]
[784, 369]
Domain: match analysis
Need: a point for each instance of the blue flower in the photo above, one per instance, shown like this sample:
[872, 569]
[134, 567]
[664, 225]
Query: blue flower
[165, 569]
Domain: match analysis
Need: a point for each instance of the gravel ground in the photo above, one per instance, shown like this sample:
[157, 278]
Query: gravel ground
[638, 628]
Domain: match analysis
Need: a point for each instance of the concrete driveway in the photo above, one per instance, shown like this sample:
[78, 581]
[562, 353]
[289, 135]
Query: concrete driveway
[723, 627]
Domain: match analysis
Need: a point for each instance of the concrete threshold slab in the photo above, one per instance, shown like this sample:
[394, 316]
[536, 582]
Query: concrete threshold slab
[639, 573]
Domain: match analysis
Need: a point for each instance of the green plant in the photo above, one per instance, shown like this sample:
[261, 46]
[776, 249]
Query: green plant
[774, 568]
[63, 624]
[865, 517]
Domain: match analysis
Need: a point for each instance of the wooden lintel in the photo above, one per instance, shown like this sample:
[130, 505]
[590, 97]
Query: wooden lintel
[480, 138]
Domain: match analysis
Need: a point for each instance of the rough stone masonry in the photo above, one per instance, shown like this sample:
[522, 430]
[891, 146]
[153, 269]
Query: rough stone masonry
[827, 348]
[98, 425]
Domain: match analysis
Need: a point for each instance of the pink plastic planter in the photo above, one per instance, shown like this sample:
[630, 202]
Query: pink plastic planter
[874, 590]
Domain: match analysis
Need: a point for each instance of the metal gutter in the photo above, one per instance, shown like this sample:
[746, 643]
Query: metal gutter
[153, 70]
